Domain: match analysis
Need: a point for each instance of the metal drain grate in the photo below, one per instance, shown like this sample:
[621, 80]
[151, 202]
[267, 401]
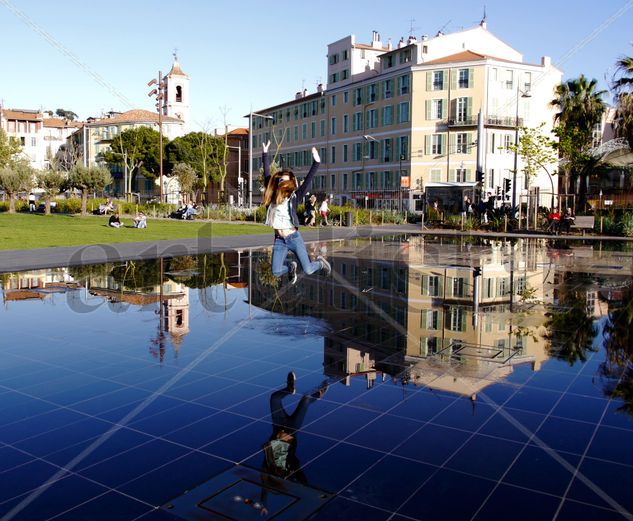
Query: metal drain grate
[242, 494]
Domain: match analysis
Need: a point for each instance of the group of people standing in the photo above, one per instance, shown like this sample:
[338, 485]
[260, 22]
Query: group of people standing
[310, 213]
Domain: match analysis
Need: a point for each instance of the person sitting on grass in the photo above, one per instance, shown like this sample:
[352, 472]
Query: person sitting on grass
[114, 221]
[140, 221]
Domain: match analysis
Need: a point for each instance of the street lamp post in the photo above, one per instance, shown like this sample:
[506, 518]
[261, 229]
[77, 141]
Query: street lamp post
[159, 92]
[250, 155]
[520, 94]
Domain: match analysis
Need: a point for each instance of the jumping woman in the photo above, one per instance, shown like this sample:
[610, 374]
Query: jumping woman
[281, 198]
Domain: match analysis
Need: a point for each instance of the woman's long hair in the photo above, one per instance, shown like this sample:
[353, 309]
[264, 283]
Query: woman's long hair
[277, 190]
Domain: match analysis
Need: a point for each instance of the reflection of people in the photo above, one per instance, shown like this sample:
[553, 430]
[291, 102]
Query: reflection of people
[114, 221]
[280, 199]
[280, 452]
[140, 221]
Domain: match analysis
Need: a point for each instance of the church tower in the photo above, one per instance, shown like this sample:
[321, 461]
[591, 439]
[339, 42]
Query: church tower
[176, 104]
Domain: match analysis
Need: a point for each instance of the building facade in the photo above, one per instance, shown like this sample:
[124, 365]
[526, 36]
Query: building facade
[396, 121]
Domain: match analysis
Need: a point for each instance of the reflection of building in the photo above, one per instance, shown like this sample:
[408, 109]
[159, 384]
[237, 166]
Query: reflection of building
[418, 310]
[177, 313]
[37, 284]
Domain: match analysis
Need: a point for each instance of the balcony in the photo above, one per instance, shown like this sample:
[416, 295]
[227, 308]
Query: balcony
[503, 121]
[462, 122]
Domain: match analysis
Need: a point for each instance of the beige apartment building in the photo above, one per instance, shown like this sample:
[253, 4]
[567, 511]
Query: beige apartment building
[422, 116]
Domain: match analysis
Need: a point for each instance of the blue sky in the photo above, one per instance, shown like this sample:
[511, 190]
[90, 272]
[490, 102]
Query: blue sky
[256, 53]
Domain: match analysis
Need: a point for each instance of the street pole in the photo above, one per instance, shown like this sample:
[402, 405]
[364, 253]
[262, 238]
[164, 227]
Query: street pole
[161, 90]
[250, 160]
[516, 152]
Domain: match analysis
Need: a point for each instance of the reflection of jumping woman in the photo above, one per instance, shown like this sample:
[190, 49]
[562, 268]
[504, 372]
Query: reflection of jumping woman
[281, 198]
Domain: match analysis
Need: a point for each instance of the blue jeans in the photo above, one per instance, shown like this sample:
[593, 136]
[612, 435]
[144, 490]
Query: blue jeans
[294, 242]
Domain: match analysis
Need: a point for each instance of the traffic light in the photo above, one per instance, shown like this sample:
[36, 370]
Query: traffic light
[498, 192]
[507, 185]
[480, 177]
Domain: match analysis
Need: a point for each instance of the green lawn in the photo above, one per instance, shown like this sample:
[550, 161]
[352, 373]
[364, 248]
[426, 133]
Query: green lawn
[25, 231]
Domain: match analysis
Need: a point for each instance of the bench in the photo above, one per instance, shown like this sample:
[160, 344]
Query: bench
[584, 223]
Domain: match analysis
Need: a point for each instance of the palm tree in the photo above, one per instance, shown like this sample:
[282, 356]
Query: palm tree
[580, 108]
[623, 88]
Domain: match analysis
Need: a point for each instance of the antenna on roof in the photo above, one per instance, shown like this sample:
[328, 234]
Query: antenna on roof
[441, 31]
[411, 28]
[483, 22]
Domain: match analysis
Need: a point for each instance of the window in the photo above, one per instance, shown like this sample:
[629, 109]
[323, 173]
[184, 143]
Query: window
[437, 144]
[178, 94]
[438, 80]
[333, 98]
[333, 59]
[304, 131]
[333, 155]
[358, 181]
[434, 286]
[404, 82]
[425, 49]
[457, 319]
[344, 153]
[345, 123]
[389, 61]
[462, 78]
[358, 96]
[372, 120]
[491, 178]
[403, 112]
[357, 151]
[323, 154]
[507, 141]
[461, 113]
[509, 79]
[345, 55]
[437, 109]
[322, 127]
[461, 143]
[387, 89]
[296, 133]
[436, 175]
[345, 97]
[344, 74]
[358, 121]
[386, 150]
[333, 126]
[33, 141]
[334, 77]
[460, 177]
[333, 183]
[405, 56]
[372, 93]
[313, 129]
[387, 115]
[527, 81]
[458, 286]
[403, 147]
[371, 152]
[345, 181]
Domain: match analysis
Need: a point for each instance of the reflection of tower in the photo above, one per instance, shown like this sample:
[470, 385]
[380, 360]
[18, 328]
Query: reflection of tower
[176, 104]
[177, 317]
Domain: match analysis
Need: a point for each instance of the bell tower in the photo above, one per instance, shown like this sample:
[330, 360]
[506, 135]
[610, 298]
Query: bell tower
[176, 104]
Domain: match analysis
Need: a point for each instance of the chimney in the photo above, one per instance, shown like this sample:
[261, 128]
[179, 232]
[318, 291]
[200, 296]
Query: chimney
[546, 61]
[389, 45]
[305, 93]
[320, 88]
[425, 37]
[401, 43]
[298, 95]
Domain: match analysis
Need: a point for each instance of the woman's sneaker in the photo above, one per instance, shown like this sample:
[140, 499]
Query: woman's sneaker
[325, 265]
[292, 272]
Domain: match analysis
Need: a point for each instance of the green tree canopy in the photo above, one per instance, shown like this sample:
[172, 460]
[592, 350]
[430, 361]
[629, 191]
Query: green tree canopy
[65, 114]
[88, 180]
[14, 178]
[9, 149]
[202, 151]
[139, 147]
[51, 181]
[186, 176]
[623, 89]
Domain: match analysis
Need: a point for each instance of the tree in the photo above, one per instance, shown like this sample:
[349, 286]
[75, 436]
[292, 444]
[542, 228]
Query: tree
[66, 114]
[9, 149]
[138, 150]
[537, 152]
[623, 89]
[89, 180]
[51, 181]
[14, 178]
[187, 178]
[200, 150]
[580, 107]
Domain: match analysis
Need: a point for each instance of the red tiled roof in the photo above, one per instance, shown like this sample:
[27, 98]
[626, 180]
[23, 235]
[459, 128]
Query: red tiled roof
[61, 123]
[239, 132]
[21, 115]
[134, 116]
[466, 56]
[176, 70]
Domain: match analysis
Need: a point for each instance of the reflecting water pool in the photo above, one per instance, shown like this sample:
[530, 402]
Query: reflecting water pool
[424, 379]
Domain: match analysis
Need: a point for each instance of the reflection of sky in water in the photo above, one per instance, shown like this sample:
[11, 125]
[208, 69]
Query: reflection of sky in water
[414, 355]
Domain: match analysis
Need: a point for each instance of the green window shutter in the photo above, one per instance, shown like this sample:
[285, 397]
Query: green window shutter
[470, 140]
[452, 143]
[468, 175]
[454, 75]
[445, 80]
[429, 80]
[471, 74]
[427, 106]
[469, 107]
[451, 175]
[453, 109]
[427, 145]
[444, 109]
[399, 85]
[440, 292]
[425, 284]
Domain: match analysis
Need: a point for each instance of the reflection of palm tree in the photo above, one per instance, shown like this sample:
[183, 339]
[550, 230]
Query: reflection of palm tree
[570, 328]
[618, 343]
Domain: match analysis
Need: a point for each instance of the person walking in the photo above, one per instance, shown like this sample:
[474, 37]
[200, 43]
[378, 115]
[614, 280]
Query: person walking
[324, 210]
[281, 198]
